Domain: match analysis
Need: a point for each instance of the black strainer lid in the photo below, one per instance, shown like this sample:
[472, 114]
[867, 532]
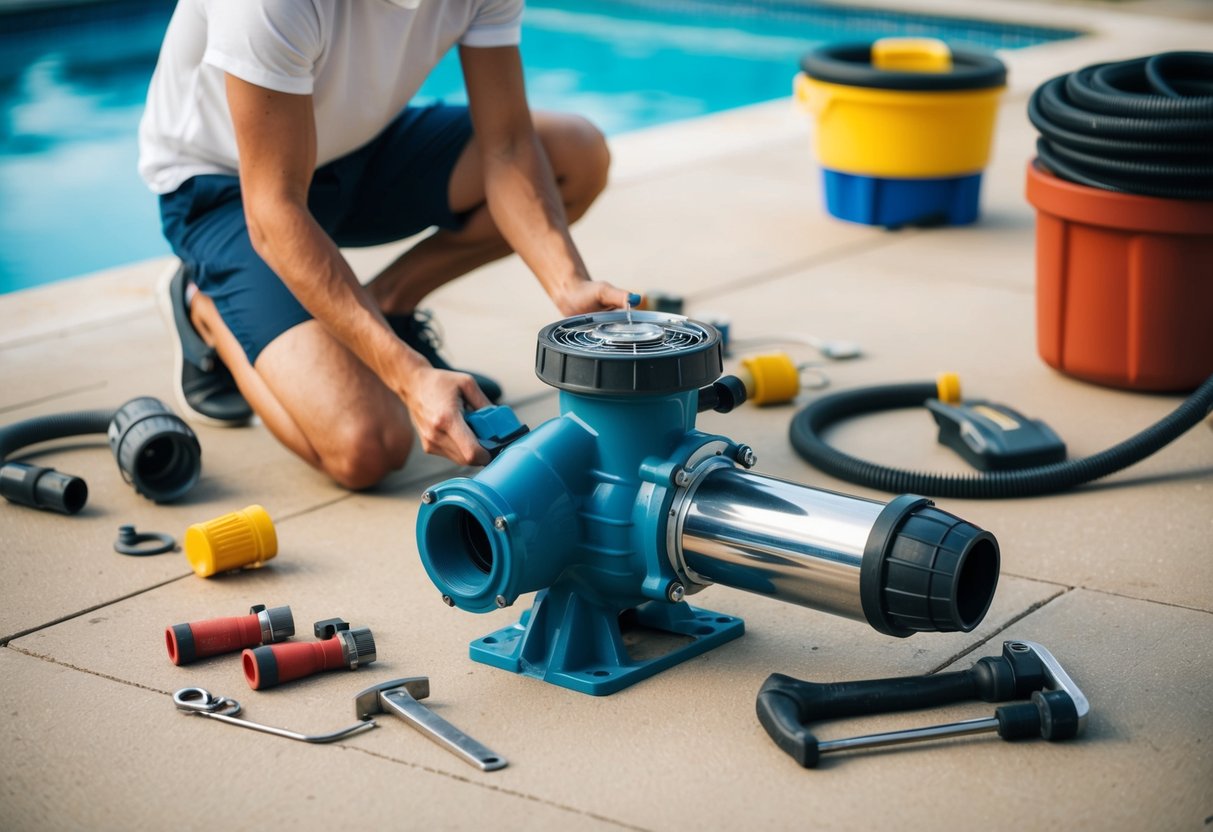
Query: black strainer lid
[610, 353]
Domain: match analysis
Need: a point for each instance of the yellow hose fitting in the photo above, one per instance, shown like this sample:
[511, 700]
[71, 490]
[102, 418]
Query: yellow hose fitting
[948, 387]
[773, 378]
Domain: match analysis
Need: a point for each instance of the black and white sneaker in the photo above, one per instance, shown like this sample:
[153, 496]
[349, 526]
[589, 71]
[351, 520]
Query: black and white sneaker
[417, 329]
[204, 387]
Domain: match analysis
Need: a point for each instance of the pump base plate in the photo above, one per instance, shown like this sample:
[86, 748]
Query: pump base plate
[569, 641]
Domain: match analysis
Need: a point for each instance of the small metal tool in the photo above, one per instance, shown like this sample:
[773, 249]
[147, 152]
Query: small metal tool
[199, 701]
[1057, 709]
[400, 696]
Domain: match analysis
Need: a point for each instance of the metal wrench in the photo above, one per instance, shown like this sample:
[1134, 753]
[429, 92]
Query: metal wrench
[400, 696]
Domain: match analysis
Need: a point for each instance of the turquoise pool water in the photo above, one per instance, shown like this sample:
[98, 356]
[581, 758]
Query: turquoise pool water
[72, 85]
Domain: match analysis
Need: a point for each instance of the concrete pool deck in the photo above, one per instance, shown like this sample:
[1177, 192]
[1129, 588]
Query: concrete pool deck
[1115, 579]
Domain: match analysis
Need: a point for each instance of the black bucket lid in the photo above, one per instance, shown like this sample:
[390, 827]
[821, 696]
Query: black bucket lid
[850, 64]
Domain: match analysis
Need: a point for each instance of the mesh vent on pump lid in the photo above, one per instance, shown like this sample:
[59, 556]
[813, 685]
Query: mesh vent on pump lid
[639, 353]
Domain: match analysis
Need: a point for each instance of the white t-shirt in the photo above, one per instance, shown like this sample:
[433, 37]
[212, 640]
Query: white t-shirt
[361, 60]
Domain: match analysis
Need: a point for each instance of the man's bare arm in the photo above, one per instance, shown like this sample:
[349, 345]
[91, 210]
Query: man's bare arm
[276, 140]
[522, 195]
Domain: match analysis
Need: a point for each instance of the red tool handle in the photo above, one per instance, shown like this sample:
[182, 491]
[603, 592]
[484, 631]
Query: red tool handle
[273, 664]
[199, 639]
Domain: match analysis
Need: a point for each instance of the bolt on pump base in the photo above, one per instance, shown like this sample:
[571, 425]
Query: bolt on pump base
[618, 508]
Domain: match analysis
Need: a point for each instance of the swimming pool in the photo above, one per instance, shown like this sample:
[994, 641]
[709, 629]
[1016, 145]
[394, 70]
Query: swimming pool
[72, 86]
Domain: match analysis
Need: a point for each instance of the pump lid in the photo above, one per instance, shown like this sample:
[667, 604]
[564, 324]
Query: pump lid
[628, 353]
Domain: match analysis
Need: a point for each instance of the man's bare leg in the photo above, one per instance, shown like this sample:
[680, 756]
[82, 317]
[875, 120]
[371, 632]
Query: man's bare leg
[579, 158]
[354, 430]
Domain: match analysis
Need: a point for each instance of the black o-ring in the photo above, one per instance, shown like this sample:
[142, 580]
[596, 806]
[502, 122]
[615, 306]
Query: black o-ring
[129, 540]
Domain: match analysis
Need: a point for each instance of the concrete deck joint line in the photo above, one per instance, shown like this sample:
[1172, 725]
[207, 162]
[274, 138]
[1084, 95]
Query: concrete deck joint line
[133, 314]
[1010, 622]
[52, 660]
[495, 788]
[811, 261]
[61, 394]
[4, 640]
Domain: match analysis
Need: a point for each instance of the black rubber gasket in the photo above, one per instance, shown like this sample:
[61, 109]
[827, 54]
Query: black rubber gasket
[130, 542]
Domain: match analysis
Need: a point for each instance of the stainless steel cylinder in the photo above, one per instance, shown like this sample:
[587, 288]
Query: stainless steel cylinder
[902, 566]
[800, 545]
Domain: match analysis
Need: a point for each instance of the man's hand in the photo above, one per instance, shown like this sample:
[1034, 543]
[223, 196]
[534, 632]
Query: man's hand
[435, 400]
[583, 296]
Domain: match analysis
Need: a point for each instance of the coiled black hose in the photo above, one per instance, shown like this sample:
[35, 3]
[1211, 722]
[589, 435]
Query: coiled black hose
[808, 424]
[1141, 127]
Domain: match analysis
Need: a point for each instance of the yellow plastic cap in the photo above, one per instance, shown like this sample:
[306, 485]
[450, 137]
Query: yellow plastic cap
[947, 386]
[911, 55]
[242, 538]
[775, 378]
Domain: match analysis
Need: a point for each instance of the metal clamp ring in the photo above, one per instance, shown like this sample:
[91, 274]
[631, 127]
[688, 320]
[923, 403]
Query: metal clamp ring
[200, 700]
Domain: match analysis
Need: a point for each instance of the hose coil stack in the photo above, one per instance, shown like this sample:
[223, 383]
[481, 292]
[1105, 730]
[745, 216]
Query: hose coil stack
[1143, 126]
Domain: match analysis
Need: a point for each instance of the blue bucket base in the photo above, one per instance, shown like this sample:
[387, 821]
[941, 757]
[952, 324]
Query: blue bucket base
[567, 640]
[894, 203]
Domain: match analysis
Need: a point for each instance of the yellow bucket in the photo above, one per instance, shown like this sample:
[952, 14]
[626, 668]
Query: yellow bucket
[893, 115]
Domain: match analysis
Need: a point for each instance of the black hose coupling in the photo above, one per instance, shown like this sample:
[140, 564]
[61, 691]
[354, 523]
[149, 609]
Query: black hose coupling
[156, 451]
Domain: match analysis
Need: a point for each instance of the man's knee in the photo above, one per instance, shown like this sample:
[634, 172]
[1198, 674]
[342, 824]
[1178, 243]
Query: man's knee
[594, 152]
[580, 157]
[364, 452]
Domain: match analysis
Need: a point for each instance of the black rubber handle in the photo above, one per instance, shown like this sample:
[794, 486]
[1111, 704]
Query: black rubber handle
[786, 706]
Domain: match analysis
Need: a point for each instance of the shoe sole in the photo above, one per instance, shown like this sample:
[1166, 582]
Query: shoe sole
[164, 302]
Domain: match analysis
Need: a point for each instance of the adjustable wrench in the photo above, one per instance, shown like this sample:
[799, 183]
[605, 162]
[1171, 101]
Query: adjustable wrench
[400, 696]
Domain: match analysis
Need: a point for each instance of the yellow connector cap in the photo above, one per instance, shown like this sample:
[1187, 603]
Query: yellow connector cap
[947, 387]
[242, 538]
[773, 378]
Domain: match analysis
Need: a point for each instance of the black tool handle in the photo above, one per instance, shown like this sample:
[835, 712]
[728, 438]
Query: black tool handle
[1050, 714]
[786, 705]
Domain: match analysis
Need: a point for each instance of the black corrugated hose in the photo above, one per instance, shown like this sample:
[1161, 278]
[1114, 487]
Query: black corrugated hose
[56, 426]
[808, 424]
[1143, 126]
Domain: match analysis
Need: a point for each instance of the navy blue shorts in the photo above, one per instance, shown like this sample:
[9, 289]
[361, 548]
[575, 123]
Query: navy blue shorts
[392, 188]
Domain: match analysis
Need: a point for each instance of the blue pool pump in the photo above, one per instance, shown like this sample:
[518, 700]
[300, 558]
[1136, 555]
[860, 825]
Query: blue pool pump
[618, 508]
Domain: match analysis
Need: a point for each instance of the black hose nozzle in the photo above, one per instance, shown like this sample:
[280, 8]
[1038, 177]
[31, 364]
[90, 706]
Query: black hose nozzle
[45, 488]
